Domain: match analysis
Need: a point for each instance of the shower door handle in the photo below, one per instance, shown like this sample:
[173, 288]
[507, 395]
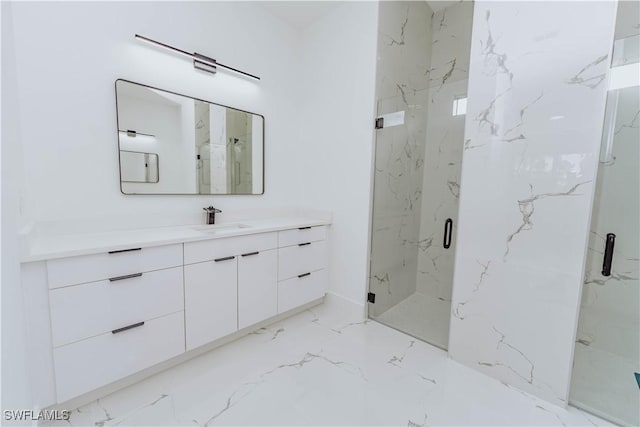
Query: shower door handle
[608, 254]
[448, 226]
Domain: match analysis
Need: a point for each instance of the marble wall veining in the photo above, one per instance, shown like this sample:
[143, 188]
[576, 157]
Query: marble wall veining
[404, 40]
[403, 60]
[448, 74]
[537, 91]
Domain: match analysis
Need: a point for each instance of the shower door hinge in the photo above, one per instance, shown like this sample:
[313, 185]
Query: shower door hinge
[371, 297]
[379, 123]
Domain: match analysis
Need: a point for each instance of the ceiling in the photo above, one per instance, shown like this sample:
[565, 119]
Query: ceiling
[299, 14]
[302, 13]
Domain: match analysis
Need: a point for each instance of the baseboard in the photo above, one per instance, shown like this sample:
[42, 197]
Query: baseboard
[331, 298]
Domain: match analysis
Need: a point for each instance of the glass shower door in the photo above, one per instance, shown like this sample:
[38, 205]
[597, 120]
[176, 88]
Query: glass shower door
[397, 202]
[421, 88]
[415, 201]
[606, 373]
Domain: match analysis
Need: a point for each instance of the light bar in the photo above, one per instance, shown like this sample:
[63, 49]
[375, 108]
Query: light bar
[133, 133]
[200, 62]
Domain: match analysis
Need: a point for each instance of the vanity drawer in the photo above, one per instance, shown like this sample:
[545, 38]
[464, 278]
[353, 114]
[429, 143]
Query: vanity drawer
[83, 311]
[301, 290]
[91, 268]
[88, 364]
[208, 250]
[301, 235]
[301, 258]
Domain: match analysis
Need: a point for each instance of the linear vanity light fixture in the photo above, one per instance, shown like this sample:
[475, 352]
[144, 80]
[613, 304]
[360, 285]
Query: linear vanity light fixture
[133, 133]
[200, 62]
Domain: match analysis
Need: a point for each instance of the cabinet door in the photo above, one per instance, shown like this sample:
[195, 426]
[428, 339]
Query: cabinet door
[211, 300]
[257, 287]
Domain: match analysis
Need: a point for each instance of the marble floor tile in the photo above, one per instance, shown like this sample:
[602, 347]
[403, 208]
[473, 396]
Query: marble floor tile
[324, 366]
[604, 382]
[422, 316]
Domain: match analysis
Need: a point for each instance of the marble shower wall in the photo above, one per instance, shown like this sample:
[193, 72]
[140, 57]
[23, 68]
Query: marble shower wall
[537, 86]
[448, 75]
[203, 140]
[404, 40]
[239, 151]
[218, 158]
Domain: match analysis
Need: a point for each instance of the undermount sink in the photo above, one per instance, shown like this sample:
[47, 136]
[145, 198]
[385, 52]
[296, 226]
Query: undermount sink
[220, 228]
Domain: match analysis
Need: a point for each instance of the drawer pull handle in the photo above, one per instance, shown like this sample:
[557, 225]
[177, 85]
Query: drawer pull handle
[227, 258]
[126, 328]
[251, 253]
[304, 228]
[128, 276]
[125, 250]
[303, 275]
[304, 244]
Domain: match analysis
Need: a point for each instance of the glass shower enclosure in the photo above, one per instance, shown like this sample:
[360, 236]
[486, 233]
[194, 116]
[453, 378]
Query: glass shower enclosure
[606, 371]
[422, 73]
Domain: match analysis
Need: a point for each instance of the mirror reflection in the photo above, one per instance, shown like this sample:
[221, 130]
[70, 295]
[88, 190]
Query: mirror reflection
[205, 148]
[138, 167]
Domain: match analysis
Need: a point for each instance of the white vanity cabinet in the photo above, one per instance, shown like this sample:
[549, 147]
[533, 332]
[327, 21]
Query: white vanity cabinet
[231, 284]
[257, 287]
[302, 266]
[111, 316]
[211, 300]
[116, 263]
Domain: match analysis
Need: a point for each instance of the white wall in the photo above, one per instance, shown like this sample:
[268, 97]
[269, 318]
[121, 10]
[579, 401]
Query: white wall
[14, 392]
[68, 56]
[59, 138]
[335, 141]
[537, 87]
[316, 93]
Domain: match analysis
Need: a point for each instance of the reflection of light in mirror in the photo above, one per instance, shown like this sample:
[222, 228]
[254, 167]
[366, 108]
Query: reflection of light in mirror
[556, 117]
[574, 161]
[624, 76]
[124, 137]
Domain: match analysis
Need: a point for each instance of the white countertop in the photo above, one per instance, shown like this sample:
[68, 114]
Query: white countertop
[61, 246]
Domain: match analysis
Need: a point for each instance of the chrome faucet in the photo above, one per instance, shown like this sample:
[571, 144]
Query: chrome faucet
[211, 214]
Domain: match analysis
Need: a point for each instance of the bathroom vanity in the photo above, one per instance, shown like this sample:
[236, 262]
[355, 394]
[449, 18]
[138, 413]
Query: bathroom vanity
[105, 307]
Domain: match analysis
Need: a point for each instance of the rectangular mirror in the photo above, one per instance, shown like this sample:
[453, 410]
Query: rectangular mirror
[201, 147]
[138, 167]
